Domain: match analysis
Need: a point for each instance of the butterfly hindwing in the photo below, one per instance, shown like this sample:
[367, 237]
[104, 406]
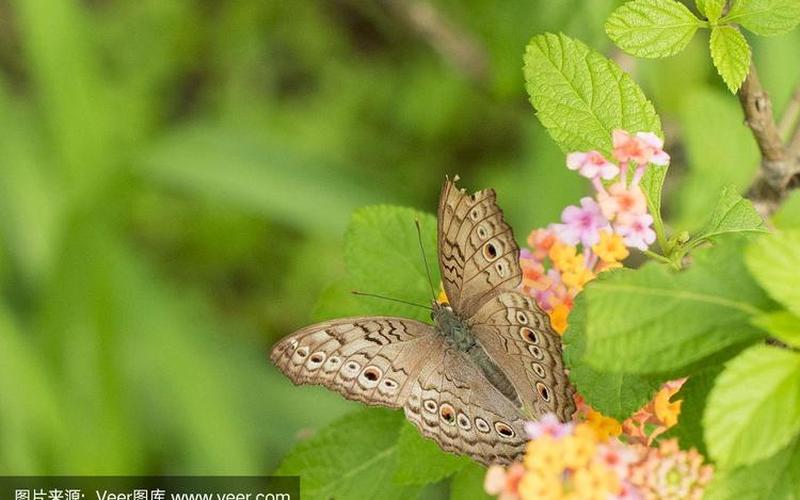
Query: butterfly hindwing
[516, 334]
[451, 403]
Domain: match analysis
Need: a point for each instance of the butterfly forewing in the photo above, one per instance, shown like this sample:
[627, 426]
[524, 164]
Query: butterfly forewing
[368, 359]
[477, 253]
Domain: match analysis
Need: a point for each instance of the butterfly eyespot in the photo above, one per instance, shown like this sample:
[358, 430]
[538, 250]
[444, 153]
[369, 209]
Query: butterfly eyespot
[490, 251]
[463, 422]
[430, 405]
[536, 351]
[315, 361]
[302, 352]
[389, 384]
[522, 318]
[332, 363]
[538, 369]
[350, 370]
[482, 425]
[504, 429]
[369, 377]
[501, 269]
[528, 335]
[482, 234]
[543, 391]
[448, 413]
[293, 344]
[474, 214]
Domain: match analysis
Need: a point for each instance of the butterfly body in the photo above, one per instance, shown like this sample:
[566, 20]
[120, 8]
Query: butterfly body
[489, 362]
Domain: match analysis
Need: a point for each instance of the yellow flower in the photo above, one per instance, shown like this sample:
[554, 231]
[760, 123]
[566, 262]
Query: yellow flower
[564, 256]
[536, 486]
[667, 411]
[607, 266]
[595, 482]
[558, 318]
[603, 426]
[611, 247]
[544, 455]
[577, 277]
[579, 448]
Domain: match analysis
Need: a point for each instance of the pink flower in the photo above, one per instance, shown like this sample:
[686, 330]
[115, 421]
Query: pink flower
[548, 425]
[635, 230]
[628, 492]
[592, 165]
[642, 148]
[502, 482]
[620, 200]
[581, 224]
[617, 457]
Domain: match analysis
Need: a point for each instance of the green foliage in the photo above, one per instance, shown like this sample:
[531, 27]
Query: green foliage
[712, 9]
[383, 256]
[754, 408]
[615, 394]
[694, 394]
[733, 214]
[788, 215]
[352, 458]
[775, 477]
[420, 461]
[652, 28]
[773, 262]
[782, 325]
[731, 55]
[467, 484]
[654, 320]
[765, 17]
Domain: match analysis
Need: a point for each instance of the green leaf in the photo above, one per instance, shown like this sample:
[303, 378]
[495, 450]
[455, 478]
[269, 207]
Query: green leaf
[652, 28]
[420, 461]
[733, 214]
[616, 395]
[782, 325]
[765, 17]
[712, 9]
[467, 484]
[580, 96]
[774, 478]
[731, 55]
[354, 457]
[654, 320]
[773, 261]
[754, 408]
[383, 256]
[694, 394]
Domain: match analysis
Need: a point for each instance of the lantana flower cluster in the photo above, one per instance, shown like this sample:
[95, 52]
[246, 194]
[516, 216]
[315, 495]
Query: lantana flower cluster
[596, 456]
[570, 461]
[596, 235]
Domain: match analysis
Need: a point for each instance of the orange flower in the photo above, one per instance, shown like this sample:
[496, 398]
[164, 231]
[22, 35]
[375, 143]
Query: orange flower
[564, 256]
[558, 318]
[577, 277]
[603, 426]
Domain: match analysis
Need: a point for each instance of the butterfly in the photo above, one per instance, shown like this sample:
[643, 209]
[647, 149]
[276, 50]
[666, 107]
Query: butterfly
[489, 362]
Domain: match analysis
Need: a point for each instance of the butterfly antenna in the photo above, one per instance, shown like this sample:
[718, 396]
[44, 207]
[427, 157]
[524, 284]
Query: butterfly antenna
[424, 258]
[375, 295]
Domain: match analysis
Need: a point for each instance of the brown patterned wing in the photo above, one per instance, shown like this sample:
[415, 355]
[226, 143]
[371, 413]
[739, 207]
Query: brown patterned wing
[516, 334]
[368, 359]
[452, 403]
[478, 256]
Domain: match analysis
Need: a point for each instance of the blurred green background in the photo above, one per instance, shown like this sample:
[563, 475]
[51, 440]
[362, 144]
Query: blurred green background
[176, 177]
